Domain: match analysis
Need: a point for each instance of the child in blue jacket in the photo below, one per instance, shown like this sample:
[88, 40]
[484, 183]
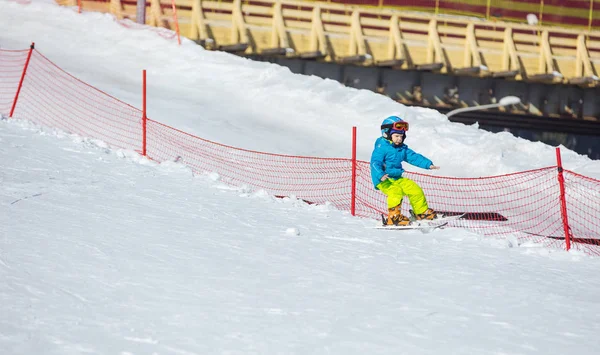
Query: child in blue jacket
[386, 172]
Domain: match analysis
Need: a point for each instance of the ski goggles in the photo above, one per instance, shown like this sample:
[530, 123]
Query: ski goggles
[396, 126]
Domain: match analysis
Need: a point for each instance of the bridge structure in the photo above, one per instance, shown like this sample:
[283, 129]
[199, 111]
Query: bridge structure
[377, 37]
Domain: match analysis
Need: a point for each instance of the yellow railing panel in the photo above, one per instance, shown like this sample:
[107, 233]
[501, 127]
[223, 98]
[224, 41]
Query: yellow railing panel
[338, 30]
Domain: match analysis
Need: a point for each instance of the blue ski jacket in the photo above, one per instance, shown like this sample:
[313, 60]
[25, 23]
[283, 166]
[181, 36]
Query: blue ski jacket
[387, 159]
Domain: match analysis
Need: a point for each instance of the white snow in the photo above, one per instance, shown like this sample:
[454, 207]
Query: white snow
[103, 251]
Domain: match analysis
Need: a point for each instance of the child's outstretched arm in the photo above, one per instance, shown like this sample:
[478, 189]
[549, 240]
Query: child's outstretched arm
[417, 159]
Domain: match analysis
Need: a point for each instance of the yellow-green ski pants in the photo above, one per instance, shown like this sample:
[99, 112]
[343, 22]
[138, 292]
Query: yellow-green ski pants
[395, 190]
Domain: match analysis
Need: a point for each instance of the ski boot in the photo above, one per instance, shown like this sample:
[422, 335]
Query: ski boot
[395, 218]
[427, 215]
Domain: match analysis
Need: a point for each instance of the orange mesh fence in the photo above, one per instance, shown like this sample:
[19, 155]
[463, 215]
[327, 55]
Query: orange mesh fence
[583, 211]
[11, 69]
[161, 31]
[316, 180]
[524, 205]
[54, 98]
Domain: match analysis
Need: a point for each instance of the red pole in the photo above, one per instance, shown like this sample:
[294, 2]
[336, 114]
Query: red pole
[12, 110]
[78, 6]
[563, 201]
[144, 117]
[353, 197]
[176, 22]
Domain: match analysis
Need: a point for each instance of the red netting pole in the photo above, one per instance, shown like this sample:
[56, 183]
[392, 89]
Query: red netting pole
[12, 110]
[563, 201]
[144, 117]
[176, 21]
[353, 196]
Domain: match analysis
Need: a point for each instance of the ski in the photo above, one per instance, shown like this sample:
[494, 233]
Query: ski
[412, 226]
[423, 224]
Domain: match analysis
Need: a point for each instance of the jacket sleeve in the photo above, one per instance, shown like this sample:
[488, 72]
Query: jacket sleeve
[377, 164]
[417, 159]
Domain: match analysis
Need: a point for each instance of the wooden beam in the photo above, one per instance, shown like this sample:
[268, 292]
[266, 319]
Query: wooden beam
[469, 70]
[510, 59]
[198, 28]
[505, 74]
[239, 34]
[116, 8]
[396, 45]
[430, 66]
[276, 51]
[583, 64]
[234, 48]
[435, 53]
[585, 81]
[312, 55]
[472, 55]
[390, 63]
[279, 37]
[317, 34]
[357, 40]
[156, 13]
[352, 59]
[546, 59]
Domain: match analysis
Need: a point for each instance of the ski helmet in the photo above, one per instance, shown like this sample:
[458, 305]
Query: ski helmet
[393, 124]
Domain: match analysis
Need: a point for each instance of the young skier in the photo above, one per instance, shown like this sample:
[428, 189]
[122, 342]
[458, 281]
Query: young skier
[386, 171]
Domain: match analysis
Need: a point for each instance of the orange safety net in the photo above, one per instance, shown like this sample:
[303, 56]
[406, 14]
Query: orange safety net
[524, 205]
[11, 69]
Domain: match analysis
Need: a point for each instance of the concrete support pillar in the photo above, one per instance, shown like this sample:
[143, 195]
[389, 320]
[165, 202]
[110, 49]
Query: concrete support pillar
[140, 14]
